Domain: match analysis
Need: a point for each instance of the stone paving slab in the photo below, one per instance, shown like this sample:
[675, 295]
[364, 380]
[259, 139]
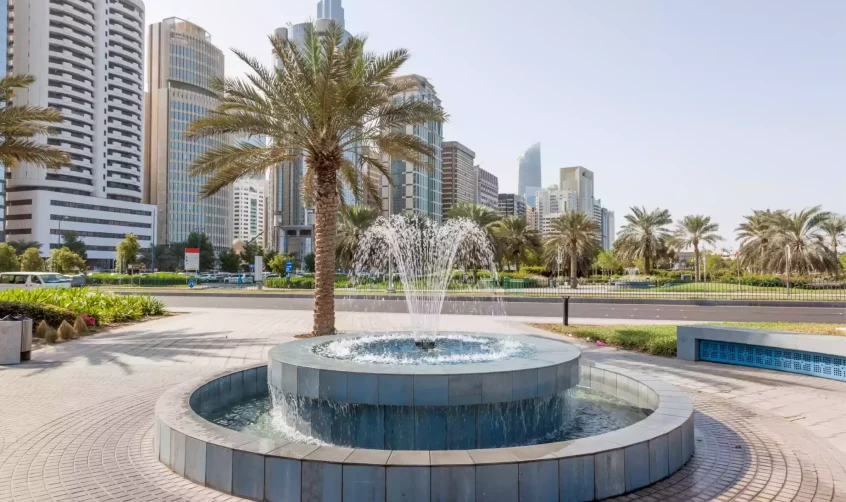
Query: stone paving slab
[76, 422]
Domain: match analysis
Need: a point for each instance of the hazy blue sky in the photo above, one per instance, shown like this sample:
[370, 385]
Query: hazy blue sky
[713, 107]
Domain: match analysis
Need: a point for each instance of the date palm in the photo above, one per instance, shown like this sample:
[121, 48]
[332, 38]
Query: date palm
[515, 238]
[326, 101]
[354, 222]
[694, 230]
[644, 235]
[577, 236]
[756, 235]
[802, 233]
[835, 228]
[20, 125]
[22, 245]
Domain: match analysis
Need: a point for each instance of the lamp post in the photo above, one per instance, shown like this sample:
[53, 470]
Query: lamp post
[60, 230]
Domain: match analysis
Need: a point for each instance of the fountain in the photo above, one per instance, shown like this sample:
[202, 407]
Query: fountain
[425, 414]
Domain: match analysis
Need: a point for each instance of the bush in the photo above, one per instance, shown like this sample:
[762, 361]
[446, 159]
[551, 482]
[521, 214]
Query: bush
[51, 314]
[659, 340]
[157, 279]
[50, 336]
[104, 307]
[42, 329]
[293, 282]
[66, 331]
[80, 326]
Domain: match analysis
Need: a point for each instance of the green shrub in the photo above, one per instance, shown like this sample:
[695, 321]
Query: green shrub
[50, 336]
[80, 326]
[66, 331]
[659, 340]
[37, 312]
[156, 279]
[104, 307]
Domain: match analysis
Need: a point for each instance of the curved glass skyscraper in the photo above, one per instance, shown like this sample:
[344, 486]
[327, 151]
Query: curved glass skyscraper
[529, 175]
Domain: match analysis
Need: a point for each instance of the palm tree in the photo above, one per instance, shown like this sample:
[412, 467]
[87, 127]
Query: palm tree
[835, 229]
[755, 236]
[644, 234]
[326, 101]
[802, 233]
[577, 236]
[515, 238]
[481, 215]
[694, 230]
[20, 125]
[354, 223]
[22, 245]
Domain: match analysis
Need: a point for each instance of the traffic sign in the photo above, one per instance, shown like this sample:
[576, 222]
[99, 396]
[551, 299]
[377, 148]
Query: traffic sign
[190, 283]
[289, 266]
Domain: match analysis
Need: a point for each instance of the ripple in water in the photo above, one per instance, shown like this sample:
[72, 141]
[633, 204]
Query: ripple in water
[450, 348]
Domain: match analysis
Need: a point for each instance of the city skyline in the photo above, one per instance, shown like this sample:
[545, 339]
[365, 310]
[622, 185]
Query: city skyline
[658, 104]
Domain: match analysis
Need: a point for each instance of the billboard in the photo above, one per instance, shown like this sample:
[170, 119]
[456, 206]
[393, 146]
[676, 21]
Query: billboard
[192, 259]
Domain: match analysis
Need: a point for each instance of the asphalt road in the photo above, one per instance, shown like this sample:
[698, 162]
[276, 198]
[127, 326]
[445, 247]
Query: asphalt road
[539, 309]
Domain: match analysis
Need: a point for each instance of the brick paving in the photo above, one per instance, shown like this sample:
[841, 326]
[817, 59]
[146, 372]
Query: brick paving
[76, 422]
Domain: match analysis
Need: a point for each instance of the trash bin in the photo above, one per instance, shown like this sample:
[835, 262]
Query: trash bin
[26, 334]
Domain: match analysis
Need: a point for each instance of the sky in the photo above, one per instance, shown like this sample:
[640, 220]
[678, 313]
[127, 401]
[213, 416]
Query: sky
[710, 107]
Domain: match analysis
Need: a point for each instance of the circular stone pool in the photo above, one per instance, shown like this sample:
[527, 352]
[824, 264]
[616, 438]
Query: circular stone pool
[517, 419]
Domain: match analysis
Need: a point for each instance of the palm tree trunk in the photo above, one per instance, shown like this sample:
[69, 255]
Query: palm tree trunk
[516, 262]
[696, 259]
[325, 228]
[574, 282]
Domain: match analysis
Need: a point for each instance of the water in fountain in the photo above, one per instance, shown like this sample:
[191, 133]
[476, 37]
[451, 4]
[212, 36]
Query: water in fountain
[424, 254]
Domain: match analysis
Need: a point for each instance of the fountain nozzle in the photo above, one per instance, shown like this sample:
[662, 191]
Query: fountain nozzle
[424, 344]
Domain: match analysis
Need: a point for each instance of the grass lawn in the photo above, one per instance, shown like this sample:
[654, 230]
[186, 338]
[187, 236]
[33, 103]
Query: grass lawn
[660, 339]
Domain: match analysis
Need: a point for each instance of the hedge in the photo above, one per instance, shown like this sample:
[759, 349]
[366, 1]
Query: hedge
[51, 314]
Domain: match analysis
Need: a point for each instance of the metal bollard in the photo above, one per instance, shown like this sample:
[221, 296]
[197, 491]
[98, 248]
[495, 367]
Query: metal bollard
[566, 310]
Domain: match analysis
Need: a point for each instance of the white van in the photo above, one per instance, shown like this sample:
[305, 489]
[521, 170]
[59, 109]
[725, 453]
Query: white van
[12, 280]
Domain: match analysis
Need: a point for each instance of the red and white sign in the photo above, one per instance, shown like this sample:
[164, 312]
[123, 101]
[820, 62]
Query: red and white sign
[192, 259]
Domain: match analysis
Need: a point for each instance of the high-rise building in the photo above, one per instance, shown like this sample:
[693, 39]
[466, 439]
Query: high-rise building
[183, 63]
[417, 185]
[487, 188]
[4, 38]
[331, 9]
[553, 201]
[579, 181]
[529, 174]
[532, 218]
[459, 175]
[87, 57]
[512, 204]
[605, 218]
[249, 209]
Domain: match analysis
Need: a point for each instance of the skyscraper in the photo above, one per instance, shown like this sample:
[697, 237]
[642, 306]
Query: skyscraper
[249, 211]
[511, 204]
[529, 175]
[487, 188]
[88, 61]
[459, 175]
[4, 31]
[578, 181]
[331, 9]
[418, 186]
[182, 65]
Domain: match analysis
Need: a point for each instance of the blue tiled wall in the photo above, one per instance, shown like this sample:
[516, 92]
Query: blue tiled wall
[793, 361]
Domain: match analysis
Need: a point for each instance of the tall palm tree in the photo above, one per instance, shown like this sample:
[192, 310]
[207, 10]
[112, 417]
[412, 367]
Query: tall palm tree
[481, 215]
[803, 235]
[694, 230]
[835, 229]
[326, 101]
[643, 235]
[515, 238]
[755, 236]
[21, 125]
[22, 245]
[354, 222]
[577, 236]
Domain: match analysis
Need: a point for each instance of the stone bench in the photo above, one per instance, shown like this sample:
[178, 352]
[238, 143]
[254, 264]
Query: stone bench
[816, 355]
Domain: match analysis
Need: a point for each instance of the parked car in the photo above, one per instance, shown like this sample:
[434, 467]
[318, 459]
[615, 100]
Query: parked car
[77, 281]
[239, 279]
[29, 280]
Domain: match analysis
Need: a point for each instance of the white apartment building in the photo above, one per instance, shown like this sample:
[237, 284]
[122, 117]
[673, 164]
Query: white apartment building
[487, 189]
[552, 200]
[88, 60]
[578, 181]
[250, 196]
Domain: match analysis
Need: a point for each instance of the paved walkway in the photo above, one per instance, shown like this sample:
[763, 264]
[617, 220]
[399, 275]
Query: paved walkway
[76, 422]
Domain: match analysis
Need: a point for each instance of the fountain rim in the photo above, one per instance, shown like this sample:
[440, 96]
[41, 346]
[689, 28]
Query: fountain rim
[548, 352]
[671, 419]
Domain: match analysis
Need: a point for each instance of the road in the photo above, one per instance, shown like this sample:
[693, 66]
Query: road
[538, 309]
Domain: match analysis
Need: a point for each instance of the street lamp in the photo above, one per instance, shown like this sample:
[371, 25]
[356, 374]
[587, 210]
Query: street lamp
[60, 230]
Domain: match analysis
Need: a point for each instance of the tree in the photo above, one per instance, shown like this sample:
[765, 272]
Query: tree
[64, 261]
[607, 261]
[755, 236]
[167, 260]
[515, 238]
[127, 251]
[803, 235]
[835, 228]
[21, 246]
[481, 215]
[71, 240]
[326, 100]
[228, 261]
[576, 235]
[308, 262]
[354, 223]
[278, 263]
[643, 235]
[694, 230]
[249, 253]
[20, 126]
[202, 241]
[8, 259]
[31, 261]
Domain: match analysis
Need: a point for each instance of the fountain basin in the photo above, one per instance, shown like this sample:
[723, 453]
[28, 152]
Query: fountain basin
[584, 469]
[517, 396]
